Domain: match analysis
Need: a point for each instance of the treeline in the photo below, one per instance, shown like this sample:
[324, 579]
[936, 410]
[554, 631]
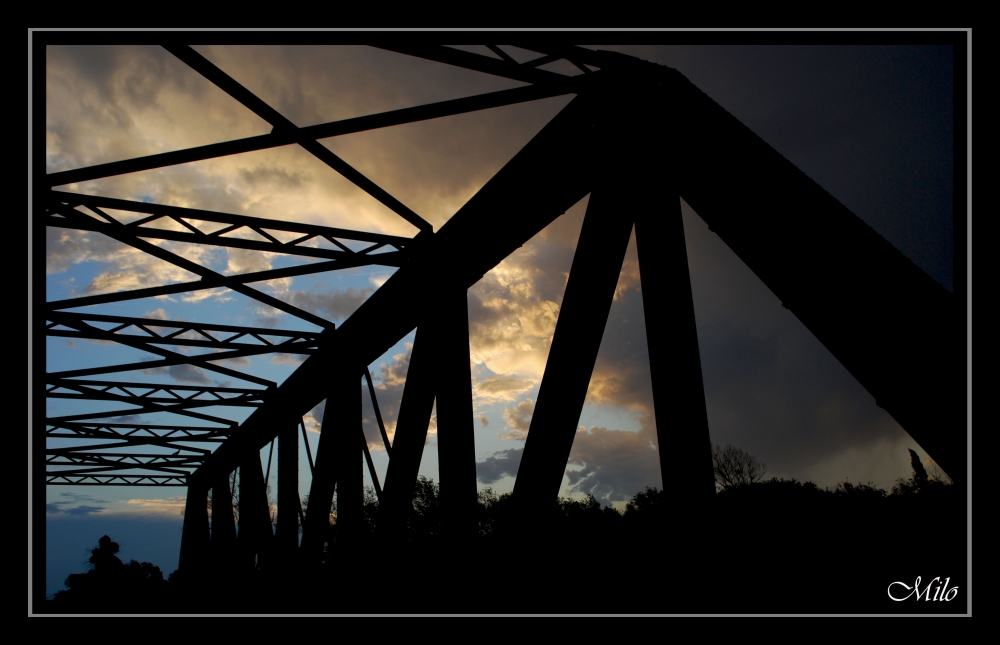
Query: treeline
[762, 545]
[742, 494]
[110, 585]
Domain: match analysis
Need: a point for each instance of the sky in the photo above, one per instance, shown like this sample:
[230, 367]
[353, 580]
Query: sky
[872, 125]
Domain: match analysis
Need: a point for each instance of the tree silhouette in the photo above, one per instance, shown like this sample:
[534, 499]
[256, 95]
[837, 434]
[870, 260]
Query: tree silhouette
[103, 557]
[735, 468]
[109, 585]
[921, 483]
[919, 474]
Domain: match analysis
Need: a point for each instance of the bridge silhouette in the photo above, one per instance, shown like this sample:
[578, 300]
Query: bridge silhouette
[637, 137]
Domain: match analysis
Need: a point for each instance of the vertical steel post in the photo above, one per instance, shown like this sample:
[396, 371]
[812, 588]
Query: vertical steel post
[411, 433]
[195, 543]
[223, 523]
[287, 533]
[337, 413]
[349, 467]
[455, 430]
[685, 448]
[256, 535]
[224, 545]
[582, 318]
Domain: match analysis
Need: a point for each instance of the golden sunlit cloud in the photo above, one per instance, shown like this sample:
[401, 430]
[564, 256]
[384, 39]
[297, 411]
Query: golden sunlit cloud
[172, 506]
[518, 419]
[499, 388]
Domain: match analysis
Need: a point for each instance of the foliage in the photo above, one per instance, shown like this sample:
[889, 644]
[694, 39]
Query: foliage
[921, 483]
[860, 492]
[649, 500]
[110, 584]
[780, 520]
[734, 467]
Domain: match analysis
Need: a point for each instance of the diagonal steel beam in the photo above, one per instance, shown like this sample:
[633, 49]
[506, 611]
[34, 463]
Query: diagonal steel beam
[158, 392]
[110, 469]
[237, 331]
[378, 413]
[320, 131]
[170, 358]
[183, 409]
[130, 460]
[177, 213]
[130, 238]
[229, 85]
[550, 174]
[60, 479]
[233, 282]
[342, 259]
[110, 446]
[237, 338]
[583, 316]
[203, 362]
[476, 62]
[68, 431]
[895, 329]
[411, 434]
[140, 432]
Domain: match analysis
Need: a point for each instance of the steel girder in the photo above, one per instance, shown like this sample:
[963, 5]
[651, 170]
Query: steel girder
[864, 300]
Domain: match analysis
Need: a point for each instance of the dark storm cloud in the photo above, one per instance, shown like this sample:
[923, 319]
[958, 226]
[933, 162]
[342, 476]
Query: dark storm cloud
[500, 464]
[84, 510]
[613, 465]
[72, 505]
[771, 387]
[335, 305]
[873, 125]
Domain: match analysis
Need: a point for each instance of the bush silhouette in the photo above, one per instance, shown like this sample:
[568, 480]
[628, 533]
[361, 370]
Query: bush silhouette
[111, 585]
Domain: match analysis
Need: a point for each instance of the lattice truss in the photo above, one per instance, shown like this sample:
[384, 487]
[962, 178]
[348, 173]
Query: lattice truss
[637, 138]
[90, 447]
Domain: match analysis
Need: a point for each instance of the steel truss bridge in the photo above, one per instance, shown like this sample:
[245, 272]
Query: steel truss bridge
[637, 137]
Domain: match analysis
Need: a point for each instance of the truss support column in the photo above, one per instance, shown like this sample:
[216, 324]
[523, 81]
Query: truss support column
[287, 533]
[256, 536]
[195, 540]
[224, 544]
[455, 430]
[589, 292]
[408, 442]
[350, 467]
[685, 448]
[223, 522]
[336, 416]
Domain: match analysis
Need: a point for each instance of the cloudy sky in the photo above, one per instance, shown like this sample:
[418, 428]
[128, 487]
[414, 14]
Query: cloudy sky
[872, 125]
